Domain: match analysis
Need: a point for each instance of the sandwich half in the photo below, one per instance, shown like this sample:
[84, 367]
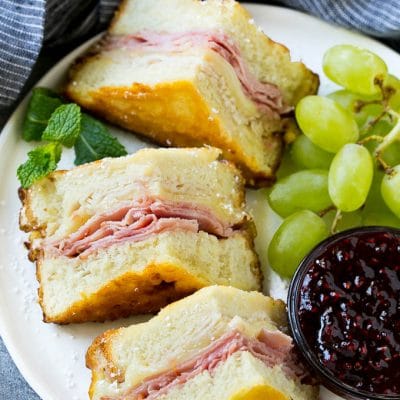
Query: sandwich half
[219, 343]
[191, 72]
[128, 235]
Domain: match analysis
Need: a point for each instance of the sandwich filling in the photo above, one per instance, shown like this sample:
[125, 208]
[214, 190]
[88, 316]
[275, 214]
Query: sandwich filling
[266, 96]
[136, 222]
[271, 347]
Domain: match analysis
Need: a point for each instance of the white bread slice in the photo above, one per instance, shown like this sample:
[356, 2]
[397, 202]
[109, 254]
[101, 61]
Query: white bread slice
[268, 60]
[137, 277]
[58, 204]
[121, 359]
[193, 97]
[142, 277]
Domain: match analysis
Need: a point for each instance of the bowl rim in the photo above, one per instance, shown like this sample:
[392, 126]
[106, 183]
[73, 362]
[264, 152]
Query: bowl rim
[327, 378]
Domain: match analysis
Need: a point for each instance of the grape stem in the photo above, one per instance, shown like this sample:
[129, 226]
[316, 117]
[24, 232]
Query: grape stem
[387, 168]
[371, 138]
[338, 217]
[373, 122]
[325, 211]
[386, 141]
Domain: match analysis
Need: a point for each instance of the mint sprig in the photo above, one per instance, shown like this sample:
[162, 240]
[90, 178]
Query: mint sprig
[95, 142]
[48, 118]
[41, 161]
[42, 104]
[64, 125]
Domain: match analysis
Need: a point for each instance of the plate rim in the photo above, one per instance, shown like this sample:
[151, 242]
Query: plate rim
[8, 132]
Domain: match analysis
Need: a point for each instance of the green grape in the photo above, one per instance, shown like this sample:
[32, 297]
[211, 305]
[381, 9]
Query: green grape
[394, 101]
[350, 177]
[354, 68]
[307, 155]
[326, 123]
[379, 218]
[347, 220]
[350, 101]
[297, 236]
[381, 128]
[286, 167]
[390, 190]
[390, 154]
[306, 189]
[375, 211]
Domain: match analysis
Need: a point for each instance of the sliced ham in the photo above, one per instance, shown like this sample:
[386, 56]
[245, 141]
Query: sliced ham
[136, 222]
[271, 347]
[207, 220]
[266, 96]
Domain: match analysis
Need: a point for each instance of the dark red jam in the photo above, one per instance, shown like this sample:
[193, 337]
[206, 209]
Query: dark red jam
[349, 310]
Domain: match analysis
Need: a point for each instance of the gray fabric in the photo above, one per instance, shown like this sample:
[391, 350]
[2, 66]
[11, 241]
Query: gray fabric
[12, 384]
[379, 18]
[27, 26]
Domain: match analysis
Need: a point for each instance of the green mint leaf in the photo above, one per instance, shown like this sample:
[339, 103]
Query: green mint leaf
[42, 104]
[64, 125]
[41, 161]
[95, 142]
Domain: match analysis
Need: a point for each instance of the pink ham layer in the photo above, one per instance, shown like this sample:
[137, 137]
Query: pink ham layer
[271, 347]
[136, 222]
[266, 96]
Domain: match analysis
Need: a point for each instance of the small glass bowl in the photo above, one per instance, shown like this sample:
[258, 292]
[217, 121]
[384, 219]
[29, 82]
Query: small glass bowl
[326, 377]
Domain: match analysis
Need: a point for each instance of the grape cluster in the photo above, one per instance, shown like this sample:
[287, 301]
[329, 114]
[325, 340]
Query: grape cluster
[343, 170]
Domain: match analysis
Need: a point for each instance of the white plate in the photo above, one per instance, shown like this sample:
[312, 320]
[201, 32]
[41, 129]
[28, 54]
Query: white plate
[51, 357]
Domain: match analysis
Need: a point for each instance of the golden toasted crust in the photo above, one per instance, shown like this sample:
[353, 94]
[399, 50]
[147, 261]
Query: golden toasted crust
[168, 111]
[99, 359]
[129, 294]
[307, 86]
[118, 12]
[27, 219]
[174, 114]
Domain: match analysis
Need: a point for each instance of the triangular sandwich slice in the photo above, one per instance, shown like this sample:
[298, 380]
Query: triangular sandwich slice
[219, 343]
[191, 72]
[128, 235]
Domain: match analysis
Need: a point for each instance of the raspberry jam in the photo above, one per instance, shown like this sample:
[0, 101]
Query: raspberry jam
[347, 310]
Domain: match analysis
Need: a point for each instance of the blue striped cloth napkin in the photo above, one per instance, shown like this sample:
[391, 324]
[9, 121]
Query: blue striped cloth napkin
[28, 26]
